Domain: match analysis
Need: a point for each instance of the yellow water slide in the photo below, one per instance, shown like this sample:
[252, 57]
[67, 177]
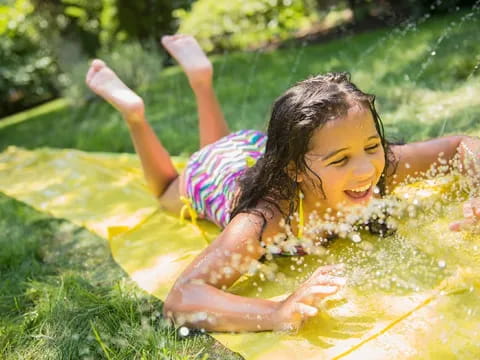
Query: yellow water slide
[412, 295]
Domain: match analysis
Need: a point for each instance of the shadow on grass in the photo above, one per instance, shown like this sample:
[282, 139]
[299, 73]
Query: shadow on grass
[63, 297]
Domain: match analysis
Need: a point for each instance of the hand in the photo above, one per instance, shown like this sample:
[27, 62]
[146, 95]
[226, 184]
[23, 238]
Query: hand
[303, 303]
[471, 214]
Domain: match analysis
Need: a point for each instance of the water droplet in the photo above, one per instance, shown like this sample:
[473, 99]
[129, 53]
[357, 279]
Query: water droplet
[442, 264]
[183, 331]
[433, 53]
[356, 238]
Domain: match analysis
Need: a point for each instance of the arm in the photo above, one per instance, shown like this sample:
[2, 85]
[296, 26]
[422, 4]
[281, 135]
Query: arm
[197, 300]
[458, 152]
[416, 159]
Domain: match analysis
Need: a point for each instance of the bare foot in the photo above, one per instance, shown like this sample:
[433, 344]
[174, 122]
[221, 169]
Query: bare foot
[186, 50]
[105, 83]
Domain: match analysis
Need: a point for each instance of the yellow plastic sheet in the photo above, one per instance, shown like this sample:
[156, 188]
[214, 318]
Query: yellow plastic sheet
[414, 295]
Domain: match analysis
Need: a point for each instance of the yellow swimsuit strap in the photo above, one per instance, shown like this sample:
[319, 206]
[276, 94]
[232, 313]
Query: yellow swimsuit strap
[301, 220]
[193, 215]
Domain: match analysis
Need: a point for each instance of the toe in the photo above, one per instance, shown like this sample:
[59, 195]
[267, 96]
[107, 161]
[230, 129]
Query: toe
[95, 66]
[98, 64]
[90, 73]
[166, 39]
[178, 36]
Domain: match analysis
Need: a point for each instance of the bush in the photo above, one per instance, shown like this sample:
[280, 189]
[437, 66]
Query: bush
[137, 66]
[44, 47]
[28, 71]
[239, 24]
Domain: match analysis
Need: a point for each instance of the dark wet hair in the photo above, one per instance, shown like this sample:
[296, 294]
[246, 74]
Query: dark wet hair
[302, 109]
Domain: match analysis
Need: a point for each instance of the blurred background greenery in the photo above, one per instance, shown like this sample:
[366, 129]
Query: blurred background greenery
[420, 58]
[45, 44]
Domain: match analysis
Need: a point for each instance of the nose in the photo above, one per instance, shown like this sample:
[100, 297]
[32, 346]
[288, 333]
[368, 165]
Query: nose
[364, 170]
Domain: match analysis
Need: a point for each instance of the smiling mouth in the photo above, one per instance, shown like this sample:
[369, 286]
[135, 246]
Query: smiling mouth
[360, 193]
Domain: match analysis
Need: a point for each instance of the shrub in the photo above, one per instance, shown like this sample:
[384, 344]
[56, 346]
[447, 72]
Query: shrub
[239, 24]
[28, 70]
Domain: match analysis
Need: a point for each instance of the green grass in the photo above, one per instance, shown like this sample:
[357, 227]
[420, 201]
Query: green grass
[61, 294]
[63, 297]
[36, 112]
[419, 94]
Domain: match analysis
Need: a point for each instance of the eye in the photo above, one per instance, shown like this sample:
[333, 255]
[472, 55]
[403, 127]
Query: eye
[339, 162]
[372, 147]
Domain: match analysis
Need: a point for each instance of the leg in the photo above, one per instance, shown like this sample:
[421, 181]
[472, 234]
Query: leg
[199, 70]
[157, 165]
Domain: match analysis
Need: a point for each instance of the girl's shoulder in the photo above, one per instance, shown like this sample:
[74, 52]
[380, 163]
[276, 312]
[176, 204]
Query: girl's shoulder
[273, 218]
[263, 222]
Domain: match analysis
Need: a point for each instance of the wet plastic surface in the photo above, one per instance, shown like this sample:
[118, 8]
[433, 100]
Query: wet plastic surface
[412, 295]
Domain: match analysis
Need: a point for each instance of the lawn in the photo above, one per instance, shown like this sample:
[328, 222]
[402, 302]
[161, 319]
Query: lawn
[61, 294]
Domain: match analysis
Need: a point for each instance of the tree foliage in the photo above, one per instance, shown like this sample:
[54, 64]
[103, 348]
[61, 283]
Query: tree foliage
[42, 41]
[238, 24]
[27, 68]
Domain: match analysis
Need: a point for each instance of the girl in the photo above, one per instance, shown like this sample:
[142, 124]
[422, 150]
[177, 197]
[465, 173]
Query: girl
[325, 150]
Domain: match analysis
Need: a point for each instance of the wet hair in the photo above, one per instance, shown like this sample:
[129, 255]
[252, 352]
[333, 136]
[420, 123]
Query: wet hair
[302, 109]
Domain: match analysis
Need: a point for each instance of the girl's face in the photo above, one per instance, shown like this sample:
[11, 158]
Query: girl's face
[348, 156]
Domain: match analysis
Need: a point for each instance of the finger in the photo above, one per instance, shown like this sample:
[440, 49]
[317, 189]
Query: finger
[324, 279]
[455, 226]
[332, 280]
[320, 290]
[329, 269]
[462, 224]
[467, 210]
[476, 210]
[304, 309]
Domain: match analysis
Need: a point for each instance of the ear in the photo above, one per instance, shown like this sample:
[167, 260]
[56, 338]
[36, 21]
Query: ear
[292, 173]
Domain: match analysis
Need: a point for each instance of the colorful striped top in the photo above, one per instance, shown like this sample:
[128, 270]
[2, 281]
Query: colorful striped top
[212, 172]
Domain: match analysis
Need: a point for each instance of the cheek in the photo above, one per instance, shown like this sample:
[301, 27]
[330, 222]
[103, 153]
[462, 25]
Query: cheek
[318, 179]
[333, 179]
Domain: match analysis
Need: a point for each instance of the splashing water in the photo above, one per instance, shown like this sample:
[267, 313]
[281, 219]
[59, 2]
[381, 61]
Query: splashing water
[453, 25]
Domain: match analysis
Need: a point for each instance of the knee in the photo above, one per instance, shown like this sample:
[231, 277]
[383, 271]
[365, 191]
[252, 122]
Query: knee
[170, 198]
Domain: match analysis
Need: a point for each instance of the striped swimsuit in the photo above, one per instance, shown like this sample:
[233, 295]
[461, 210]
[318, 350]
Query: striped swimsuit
[212, 172]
